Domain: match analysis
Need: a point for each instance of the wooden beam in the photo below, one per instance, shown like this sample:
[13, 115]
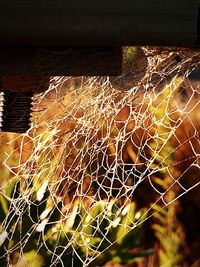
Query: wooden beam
[99, 22]
[64, 61]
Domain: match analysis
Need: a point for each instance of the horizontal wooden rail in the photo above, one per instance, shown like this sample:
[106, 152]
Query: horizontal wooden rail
[99, 22]
[63, 61]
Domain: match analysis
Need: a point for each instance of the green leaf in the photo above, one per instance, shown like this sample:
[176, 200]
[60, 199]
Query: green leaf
[129, 258]
[3, 207]
[33, 259]
[54, 216]
[10, 188]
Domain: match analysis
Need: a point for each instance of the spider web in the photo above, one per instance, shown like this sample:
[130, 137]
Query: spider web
[101, 154]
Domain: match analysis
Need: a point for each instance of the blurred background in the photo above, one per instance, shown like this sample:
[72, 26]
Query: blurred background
[108, 173]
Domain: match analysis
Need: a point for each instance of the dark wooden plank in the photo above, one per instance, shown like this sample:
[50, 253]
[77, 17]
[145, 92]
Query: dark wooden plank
[66, 61]
[98, 22]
